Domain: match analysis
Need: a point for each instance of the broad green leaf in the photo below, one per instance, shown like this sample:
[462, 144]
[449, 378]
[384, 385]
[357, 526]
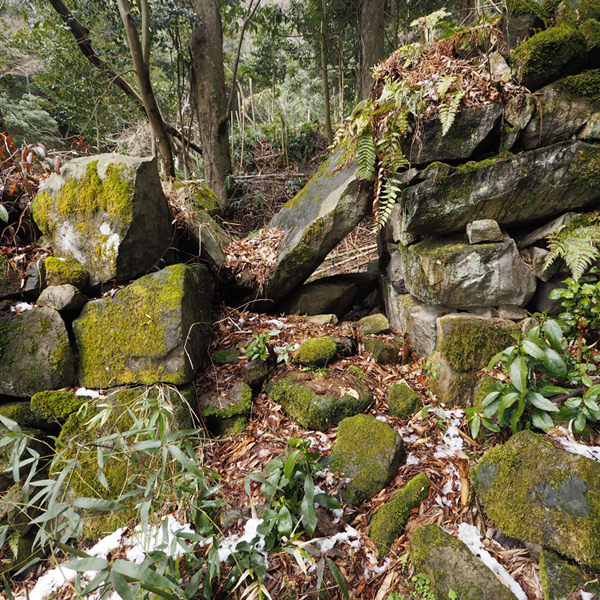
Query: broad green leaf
[491, 409]
[3, 213]
[554, 334]
[508, 400]
[290, 464]
[92, 563]
[551, 390]
[143, 574]
[573, 403]
[10, 424]
[475, 425]
[534, 350]
[185, 461]
[307, 506]
[338, 577]
[540, 402]
[580, 422]
[495, 360]
[555, 364]
[97, 504]
[541, 419]
[518, 374]
[120, 584]
[489, 399]
[327, 501]
[490, 425]
[285, 523]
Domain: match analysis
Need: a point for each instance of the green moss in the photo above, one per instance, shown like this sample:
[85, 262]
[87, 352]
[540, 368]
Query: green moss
[61, 271]
[370, 452]
[20, 412]
[436, 250]
[255, 372]
[320, 176]
[558, 578]
[484, 382]
[586, 169]
[310, 402]
[61, 360]
[55, 405]
[539, 494]
[384, 354]
[230, 427]
[584, 85]
[472, 165]
[545, 55]
[354, 370]
[529, 7]
[44, 326]
[240, 403]
[315, 352]
[469, 344]
[225, 357]
[392, 516]
[113, 335]
[402, 400]
[589, 9]
[374, 324]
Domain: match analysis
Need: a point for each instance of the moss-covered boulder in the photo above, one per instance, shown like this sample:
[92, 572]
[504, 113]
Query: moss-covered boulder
[369, 452]
[55, 406]
[452, 272]
[524, 188]
[154, 330]
[107, 212]
[550, 54]
[315, 352]
[383, 354]
[255, 372]
[62, 297]
[35, 354]
[374, 324]
[319, 401]
[465, 344]
[402, 400]
[561, 579]
[543, 495]
[450, 565]
[63, 271]
[25, 414]
[123, 471]
[227, 411]
[225, 357]
[389, 520]
[329, 207]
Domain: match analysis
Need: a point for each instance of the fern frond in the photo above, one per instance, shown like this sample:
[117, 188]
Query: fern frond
[448, 111]
[389, 193]
[365, 155]
[442, 85]
[577, 244]
[13, 543]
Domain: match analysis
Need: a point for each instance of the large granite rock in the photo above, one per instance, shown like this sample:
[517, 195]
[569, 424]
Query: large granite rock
[154, 330]
[35, 354]
[108, 212]
[369, 452]
[319, 401]
[450, 565]
[540, 494]
[530, 186]
[470, 130]
[454, 273]
[330, 206]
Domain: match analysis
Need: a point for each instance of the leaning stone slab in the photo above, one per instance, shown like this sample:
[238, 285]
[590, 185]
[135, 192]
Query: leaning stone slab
[543, 495]
[530, 186]
[35, 354]
[330, 206]
[450, 565]
[108, 212]
[454, 273]
[393, 515]
[154, 330]
[470, 130]
[319, 401]
[327, 295]
[369, 452]
[545, 230]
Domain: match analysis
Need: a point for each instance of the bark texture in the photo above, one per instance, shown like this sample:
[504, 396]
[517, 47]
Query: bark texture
[371, 23]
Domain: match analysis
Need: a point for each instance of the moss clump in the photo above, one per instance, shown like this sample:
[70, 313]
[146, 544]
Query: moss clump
[237, 401]
[468, 343]
[61, 271]
[584, 85]
[311, 400]
[55, 405]
[384, 354]
[374, 324]
[542, 10]
[225, 357]
[589, 9]
[392, 516]
[549, 53]
[354, 370]
[137, 336]
[21, 413]
[402, 400]
[316, 352]
[540, 494]
[370, 452]
[560, 579]
[255, 372]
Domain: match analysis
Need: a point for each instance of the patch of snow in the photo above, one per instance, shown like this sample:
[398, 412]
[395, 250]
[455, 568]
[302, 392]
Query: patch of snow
[229, 545]
[383, 567]
[574, 447]
[338, 513]
[411, 459]
[326, 544]
[469, 534]
[410, 439]
[22, 307]
[586, 595]
[278, 323]
[105, 229]
[141, 542]
[89, 393]
[111, 245]
[381, 418]
[452, 442]
[105, 545]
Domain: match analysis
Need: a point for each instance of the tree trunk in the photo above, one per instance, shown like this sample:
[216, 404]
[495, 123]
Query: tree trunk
[142, 74]
[371, 23]
[211, 100]
[328, 129]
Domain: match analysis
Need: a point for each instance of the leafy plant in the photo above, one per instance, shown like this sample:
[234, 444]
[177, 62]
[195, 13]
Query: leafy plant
[430, 369]
[421, 588]
[260, 347]
[576, 243]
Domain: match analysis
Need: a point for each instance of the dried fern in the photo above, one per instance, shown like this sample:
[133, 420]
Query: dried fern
[576, 243]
